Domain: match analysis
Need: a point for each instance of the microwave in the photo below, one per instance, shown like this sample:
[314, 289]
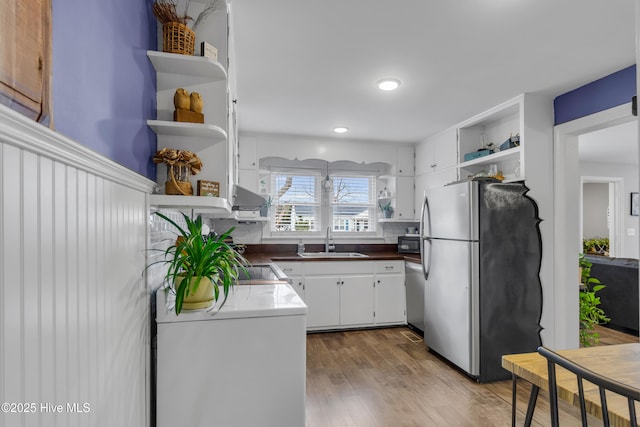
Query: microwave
[409, 244]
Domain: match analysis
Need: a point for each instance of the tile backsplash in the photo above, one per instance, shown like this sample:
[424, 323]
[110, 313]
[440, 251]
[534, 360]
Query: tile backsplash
[161, 235]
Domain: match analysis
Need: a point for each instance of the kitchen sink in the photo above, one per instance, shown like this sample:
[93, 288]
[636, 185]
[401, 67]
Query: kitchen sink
[333, 255]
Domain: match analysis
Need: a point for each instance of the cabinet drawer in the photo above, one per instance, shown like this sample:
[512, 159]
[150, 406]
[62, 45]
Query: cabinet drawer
[338, 267]
[290, 268]
[389, 267]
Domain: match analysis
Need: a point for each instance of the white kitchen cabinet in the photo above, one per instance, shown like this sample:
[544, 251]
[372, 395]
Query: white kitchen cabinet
[248, 163]
[404, 197]
[338, 294]
[336, 301]
[356, 300]
[437, 152]
[322, 295]
[248, 178]
[261, 330]
[405, 162]
[350, 294]
[390, 294]
[247, 157]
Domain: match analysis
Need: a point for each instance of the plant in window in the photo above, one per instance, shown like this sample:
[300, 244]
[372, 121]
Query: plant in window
[590, 313]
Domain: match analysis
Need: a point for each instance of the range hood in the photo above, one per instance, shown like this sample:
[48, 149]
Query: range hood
[246, 200]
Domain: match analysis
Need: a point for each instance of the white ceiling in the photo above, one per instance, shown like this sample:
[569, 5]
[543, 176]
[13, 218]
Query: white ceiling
[305, 66]
[615, 144]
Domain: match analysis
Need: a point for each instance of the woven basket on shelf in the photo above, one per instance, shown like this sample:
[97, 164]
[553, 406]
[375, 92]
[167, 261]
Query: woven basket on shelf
[178, 38]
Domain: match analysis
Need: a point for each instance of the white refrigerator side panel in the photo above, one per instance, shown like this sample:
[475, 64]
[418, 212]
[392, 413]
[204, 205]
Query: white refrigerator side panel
[451, 303]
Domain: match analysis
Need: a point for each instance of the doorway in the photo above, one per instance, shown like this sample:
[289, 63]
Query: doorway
[567, 231]
[601, 212]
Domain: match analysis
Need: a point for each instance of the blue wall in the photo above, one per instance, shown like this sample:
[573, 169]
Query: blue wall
[602, 94]
[103, 83]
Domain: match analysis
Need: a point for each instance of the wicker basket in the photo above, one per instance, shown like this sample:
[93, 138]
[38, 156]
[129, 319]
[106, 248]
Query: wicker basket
[178, 38]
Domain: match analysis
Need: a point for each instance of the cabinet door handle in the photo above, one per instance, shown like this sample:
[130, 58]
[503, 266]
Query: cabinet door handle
[342, 283]
[338, 283]
[388, 267]
[378, 281]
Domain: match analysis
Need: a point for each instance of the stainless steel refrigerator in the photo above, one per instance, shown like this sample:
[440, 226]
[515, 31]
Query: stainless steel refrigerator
[481, 254]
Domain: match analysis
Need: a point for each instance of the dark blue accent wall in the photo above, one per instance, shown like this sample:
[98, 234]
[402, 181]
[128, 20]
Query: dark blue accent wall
[104, 87]
[602, 94]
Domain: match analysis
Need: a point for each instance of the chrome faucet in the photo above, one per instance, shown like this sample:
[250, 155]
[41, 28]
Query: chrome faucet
[328, 242]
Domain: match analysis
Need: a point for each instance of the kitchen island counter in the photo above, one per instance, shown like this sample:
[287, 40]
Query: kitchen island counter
[242, 366]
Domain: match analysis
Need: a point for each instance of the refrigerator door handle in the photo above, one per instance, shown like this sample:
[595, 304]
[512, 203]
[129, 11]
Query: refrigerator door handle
[426, 255]
[425, 214]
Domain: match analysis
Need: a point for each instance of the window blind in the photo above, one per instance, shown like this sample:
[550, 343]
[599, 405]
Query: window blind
[296, 201]
[353, 203]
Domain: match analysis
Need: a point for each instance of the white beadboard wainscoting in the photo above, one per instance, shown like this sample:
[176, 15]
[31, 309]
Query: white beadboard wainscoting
[74, 307]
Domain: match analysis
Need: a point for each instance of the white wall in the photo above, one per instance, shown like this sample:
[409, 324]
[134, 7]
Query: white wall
[629, 176]
[595, 202]
[74, 310]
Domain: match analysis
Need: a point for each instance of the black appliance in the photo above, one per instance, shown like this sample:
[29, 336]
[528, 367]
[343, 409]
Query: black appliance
[409, 244]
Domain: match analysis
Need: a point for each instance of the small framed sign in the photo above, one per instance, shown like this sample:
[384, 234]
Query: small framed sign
[208, 188]
[208, 51]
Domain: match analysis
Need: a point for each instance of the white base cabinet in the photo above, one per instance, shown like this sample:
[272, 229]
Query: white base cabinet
[350, 294]
[356, 300]
[323, 301]
[390, 292]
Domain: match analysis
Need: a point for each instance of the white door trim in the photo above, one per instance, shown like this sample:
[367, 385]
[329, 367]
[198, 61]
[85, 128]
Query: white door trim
[567, 209]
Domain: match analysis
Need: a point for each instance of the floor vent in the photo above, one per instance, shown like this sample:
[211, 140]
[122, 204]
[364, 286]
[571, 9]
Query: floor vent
[412, 336]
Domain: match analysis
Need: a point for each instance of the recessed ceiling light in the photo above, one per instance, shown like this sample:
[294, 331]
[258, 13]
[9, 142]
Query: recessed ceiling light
[340, 129]
[388, 84]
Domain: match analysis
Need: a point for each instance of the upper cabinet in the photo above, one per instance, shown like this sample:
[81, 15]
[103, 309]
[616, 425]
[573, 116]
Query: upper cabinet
[454, 154]
[25, 57]
[437, 152]
[405, 164]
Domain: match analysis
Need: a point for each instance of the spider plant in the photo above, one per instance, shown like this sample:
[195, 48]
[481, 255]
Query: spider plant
[194, 257]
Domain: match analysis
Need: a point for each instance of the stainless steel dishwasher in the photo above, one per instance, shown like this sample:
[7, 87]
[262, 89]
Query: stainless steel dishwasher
[415, 295]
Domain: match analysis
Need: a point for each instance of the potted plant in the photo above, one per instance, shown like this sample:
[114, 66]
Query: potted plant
[200, 266]
[387, 209]
[264, 210]
[590, 313]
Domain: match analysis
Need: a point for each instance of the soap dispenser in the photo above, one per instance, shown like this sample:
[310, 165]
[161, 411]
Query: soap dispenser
[300, 247]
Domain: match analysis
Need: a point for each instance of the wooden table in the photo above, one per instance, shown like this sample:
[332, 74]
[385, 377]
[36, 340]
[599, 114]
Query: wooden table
[620, 362]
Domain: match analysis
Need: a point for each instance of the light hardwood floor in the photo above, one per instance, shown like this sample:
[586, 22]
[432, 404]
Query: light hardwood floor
[387, 378]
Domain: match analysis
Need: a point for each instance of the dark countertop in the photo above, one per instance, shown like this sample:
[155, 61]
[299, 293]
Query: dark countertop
[287, 252]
